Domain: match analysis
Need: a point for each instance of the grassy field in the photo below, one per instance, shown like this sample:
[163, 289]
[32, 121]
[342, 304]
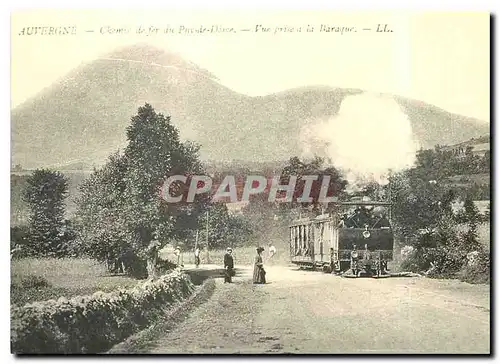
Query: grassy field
[39, 279]
[42, 279]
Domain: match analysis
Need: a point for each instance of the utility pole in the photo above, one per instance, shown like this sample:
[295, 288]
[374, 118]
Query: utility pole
[196, 241]
[208, 256]
[390, 199]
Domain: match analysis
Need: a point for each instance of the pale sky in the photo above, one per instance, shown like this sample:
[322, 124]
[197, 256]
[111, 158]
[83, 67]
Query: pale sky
[439, 58]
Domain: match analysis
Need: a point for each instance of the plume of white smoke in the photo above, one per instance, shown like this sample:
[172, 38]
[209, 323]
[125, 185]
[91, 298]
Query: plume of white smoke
[368, 138]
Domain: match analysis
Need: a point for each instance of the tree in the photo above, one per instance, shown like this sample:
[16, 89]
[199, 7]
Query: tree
[223, 229]
[240, 231]
[101, 218]
[44, 193]
[259, 215]
[485, 163]
[442, 218]
[121, 209]
[417, 203]
[299, 168]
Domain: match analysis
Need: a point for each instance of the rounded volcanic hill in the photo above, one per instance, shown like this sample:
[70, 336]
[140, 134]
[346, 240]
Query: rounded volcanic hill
[83, 116]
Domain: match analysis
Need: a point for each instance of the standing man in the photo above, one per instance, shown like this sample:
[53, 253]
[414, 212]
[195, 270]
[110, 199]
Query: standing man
[333, 261]
[177, 253]
[228, 265]
[367, 259]
[197, 256]
[354, 260]
[367, 255]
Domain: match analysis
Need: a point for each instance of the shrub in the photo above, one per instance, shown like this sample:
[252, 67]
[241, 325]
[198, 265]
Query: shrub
[44, 193]
[19, 241]
[478, 271]
[92, 324]
[418, 260]
[164, 265]
[24, 244]
[28, 287]
[33, 281]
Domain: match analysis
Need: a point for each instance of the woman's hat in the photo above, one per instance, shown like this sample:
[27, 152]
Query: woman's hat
[229, 249]
[260, 249]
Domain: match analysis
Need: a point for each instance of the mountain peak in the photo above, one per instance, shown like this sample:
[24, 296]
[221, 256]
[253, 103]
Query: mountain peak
[151, 55]
[83, 117]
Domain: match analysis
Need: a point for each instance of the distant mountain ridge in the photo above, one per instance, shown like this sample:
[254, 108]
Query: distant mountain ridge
[483, 139]
[83, 117]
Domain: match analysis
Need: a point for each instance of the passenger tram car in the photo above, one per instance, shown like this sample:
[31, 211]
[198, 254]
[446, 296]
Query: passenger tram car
[355, 240]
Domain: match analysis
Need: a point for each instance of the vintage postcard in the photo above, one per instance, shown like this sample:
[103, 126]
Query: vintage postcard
[250, 182]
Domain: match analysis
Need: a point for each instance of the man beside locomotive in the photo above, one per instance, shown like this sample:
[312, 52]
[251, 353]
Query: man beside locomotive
[333, 261]
[367, 263]
[354, 260]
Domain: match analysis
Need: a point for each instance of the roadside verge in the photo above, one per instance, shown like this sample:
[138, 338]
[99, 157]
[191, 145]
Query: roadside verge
[144, 340]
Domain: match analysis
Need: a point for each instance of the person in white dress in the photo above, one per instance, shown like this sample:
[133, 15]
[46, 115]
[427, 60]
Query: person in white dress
[272, 250]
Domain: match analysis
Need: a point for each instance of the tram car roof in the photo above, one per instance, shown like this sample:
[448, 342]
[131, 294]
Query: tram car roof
[362, 203]
[327, 217]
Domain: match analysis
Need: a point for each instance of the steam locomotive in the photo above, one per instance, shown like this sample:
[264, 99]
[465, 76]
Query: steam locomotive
[355, 240]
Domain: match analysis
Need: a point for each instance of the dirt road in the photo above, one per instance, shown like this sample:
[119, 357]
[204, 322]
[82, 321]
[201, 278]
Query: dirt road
[311, 312]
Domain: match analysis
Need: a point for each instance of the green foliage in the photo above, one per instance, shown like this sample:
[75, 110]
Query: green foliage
[44, 193]
[480, 271]
[19, 237]
[296, 167]
[442, 219]
[417, 203]
[33, 281]
[224, 229]
[92, 324]
[66, 277]
[121, 215]
[18, 207]
[374, 191]
[442, 253]
[446, 163]
[240, 231]
[100, 217]
[163, 265]
[22, 290]
[479, 191]
[268, 221]
[20, 295]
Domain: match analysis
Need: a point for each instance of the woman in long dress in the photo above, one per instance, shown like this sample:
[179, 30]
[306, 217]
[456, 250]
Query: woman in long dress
[259, 274]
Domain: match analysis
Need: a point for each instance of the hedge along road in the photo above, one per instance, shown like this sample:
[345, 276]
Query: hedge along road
[311, 312]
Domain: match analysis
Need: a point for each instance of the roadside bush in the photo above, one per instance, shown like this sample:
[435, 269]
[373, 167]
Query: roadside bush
[164, 265]
[418, 260]
[31, 288]
[24, 244]
[92, 324]
[18, 235]
[33, 281]
[439, 254]
[18, 241]
[479, 271]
